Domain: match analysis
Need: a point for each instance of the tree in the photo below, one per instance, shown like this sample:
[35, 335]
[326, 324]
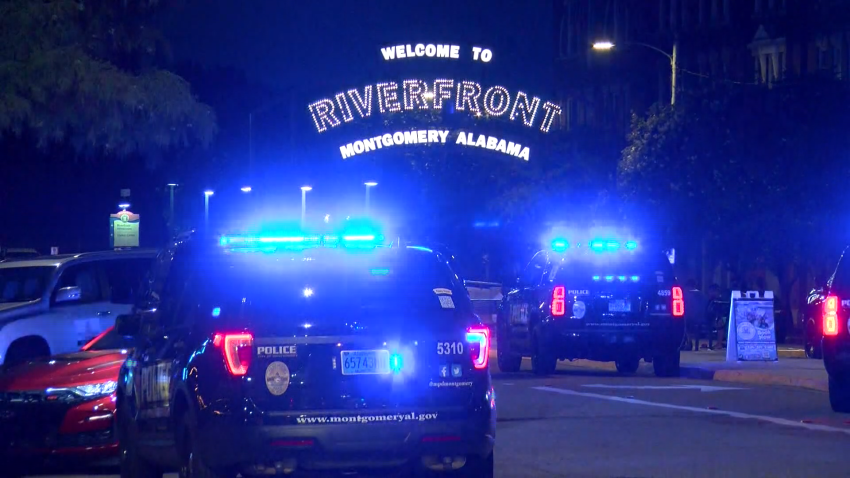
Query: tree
[83, 72]
[748, 171]
[754, 166]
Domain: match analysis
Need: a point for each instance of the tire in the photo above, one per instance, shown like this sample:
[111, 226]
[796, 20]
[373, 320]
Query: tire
[478, 467]
[839, 395]
[627, 366]
[507, 361]
[542, 360]
[667, 364]
[811, 342]
[25, 349]
[131, 463]
[193, 465]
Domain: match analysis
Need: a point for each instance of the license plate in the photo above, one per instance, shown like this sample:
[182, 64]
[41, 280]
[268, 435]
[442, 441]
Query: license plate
[365, 362]
[619, 306]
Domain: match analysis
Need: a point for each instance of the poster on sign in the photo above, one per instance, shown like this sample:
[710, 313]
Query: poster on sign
[751, 335]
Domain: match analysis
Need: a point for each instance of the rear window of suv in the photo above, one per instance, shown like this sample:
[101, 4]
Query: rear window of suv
[392, 283]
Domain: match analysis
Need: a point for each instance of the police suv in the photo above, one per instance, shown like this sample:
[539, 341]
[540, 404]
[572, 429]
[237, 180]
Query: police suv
[276, 354]
[604, 300]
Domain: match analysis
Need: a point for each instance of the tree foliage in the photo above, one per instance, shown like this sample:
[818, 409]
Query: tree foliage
[83, 72]
[755, 167]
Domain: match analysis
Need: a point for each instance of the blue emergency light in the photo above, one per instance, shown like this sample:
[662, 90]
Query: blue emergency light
[596, 245]
[298, 242]
[560, 245]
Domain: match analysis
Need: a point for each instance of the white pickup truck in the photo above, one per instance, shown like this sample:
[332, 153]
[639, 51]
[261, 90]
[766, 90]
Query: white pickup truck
[55, 304]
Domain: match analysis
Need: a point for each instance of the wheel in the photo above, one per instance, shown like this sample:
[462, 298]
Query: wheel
[478, 467]
[508, 362]
[839, 394]
[542, 360]
[627, 366]
[666, 364]
[25, 349]
[132, 464]
[193, 465]
[811, 341]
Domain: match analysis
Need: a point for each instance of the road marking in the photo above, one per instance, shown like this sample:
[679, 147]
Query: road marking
[763, 418]
[701, 388]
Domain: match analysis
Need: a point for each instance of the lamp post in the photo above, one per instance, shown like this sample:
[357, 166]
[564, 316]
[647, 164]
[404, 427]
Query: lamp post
[171, 187]
[207, 195]
[304, 190]
[369, 185]
[673, 57]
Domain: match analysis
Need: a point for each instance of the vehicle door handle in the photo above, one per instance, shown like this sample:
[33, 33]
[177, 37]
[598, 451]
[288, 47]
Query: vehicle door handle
[105, 312]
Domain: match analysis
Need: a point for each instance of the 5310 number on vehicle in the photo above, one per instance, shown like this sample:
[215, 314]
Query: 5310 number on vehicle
[449, 348]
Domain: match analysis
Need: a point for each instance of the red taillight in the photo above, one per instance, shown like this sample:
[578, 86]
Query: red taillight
[478, 337]
[830, 316]
[237, 351]
[559, 302]
[678, 302]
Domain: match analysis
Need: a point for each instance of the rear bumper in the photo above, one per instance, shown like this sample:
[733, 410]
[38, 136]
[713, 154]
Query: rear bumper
[836, 356]
[569, 341]
[361, 441]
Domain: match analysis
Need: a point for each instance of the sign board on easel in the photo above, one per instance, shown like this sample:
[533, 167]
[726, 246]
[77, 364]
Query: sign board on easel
[751, 334]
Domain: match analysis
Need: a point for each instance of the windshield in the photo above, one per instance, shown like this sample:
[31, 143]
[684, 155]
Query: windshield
[23, 284]
[415, 283]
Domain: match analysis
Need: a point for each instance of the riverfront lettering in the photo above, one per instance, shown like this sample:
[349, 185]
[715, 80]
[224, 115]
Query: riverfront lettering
[463, 96]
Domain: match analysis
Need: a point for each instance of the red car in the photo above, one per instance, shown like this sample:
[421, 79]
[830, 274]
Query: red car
[64, 405]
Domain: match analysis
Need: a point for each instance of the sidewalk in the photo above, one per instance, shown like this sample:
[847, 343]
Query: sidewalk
[712, 365]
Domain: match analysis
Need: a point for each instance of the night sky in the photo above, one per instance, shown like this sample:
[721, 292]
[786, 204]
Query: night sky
[288, 43]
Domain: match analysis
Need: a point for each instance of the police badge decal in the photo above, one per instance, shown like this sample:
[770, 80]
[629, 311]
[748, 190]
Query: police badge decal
[277, 378]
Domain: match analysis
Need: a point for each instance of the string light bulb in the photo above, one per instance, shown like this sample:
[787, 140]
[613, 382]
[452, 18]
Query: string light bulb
[497, 100]
[388, 97]
[527, 111]
[468, 93]
[414, 92]
[363, 104]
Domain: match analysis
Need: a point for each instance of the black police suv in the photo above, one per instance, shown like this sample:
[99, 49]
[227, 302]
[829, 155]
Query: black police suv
[603, 300]
[833, 302]
[265, 359]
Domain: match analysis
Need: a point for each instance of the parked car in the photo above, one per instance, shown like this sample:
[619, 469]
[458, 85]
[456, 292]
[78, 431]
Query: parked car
[63, 406]
[56, 304]
[12, 253]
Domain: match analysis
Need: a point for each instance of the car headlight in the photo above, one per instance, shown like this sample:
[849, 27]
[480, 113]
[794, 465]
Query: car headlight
[90, 390]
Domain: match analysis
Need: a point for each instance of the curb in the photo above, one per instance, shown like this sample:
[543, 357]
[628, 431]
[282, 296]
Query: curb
[753, 377]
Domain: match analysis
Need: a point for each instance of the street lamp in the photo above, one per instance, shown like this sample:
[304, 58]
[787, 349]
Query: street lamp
[207, 195]
[304, 190]
[369, 185]
[608, 46]
[171, 187]
[246, 189]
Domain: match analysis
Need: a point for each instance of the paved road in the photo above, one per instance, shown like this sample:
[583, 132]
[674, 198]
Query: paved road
[596, 424]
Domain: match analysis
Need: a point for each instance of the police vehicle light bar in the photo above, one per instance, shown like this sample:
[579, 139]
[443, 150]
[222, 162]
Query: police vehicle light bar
[271, 243]
[596, 245]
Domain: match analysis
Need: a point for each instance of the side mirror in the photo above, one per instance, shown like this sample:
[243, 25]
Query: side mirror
[68, 294]
[127, 325]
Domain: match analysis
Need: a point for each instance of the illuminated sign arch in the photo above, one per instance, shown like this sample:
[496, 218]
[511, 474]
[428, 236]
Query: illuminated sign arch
[415, 94]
